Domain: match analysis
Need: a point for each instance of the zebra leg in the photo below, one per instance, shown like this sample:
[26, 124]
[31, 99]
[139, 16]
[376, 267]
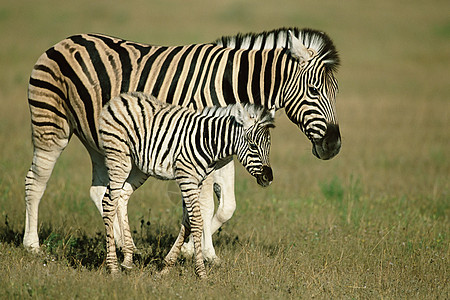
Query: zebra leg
[195, 219]
[222, 182]
[97, 191]
[134, 181]
[122, 219]
[172, 256]
[119, 166]
[190, 192]
[109, 205]
[51, 132]
[224, 189]
[206, 201]
[35, 185]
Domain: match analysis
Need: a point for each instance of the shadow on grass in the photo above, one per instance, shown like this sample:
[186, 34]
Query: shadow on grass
[81, 250]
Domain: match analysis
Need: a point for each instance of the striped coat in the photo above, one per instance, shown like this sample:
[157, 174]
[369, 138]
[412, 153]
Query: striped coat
[73, 80]
[174, 142]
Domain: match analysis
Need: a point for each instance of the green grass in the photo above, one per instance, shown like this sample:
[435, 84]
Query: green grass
[371, 223]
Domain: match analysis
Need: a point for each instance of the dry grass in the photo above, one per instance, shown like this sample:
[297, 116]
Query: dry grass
[371, 223]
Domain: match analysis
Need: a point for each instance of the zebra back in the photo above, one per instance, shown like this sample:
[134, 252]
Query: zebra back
[74, 79]
[154, 134]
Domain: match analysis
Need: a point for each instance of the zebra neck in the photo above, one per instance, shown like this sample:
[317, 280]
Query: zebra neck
[225, 138]
[256, 76]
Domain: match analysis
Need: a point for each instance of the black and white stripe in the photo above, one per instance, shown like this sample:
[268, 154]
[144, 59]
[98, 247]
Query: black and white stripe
[309, 103]
[174, 142]
[74, 79]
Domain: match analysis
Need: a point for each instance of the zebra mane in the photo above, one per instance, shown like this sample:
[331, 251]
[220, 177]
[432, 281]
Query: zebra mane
[262, 115]
[319, 41]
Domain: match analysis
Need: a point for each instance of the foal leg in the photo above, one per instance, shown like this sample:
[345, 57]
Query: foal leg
[97, 191]
[190, 192]
[100, 181]
[195, 219]
[174, 252]
[119, 166]
[206, 201]
[119, 201]
[134, 181]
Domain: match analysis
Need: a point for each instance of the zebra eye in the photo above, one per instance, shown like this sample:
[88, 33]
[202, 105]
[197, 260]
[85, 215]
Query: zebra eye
[313, 91]
[253, 147]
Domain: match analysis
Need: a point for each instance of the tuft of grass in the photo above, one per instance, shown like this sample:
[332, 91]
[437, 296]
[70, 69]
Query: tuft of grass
[333, 190]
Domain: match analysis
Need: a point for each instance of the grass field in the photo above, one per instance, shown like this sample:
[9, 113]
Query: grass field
[371, 223]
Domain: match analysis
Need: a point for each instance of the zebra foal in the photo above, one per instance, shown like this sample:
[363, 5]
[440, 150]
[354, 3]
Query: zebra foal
[173, 142]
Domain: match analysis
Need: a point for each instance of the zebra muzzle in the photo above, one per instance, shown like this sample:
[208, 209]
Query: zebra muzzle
[266, 177]
[330, 145]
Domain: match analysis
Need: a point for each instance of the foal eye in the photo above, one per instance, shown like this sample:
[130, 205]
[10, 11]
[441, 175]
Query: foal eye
[253, 147]
[313, 91]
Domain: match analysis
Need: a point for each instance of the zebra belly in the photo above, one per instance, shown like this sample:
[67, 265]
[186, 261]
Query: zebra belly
[164, 170]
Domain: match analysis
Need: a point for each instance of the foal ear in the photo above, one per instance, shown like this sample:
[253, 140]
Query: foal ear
[298, 50]
[272, 112]
[242, 116]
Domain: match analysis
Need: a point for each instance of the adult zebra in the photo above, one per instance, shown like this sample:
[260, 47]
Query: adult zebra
[74, 79]
[174, 142]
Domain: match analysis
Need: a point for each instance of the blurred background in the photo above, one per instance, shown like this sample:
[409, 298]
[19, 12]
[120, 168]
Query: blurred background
[373, 221]
[393, 103]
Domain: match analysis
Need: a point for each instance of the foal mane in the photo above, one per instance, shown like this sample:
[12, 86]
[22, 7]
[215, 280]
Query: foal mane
[261, 114]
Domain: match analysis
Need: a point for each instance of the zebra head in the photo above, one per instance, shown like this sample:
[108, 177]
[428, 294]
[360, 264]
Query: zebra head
[254, 142]
[311, 91]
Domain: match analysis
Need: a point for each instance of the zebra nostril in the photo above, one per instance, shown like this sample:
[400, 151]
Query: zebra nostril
[267, 173]
[265, 178]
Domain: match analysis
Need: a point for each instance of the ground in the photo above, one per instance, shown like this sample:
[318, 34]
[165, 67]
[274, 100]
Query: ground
[371, 223]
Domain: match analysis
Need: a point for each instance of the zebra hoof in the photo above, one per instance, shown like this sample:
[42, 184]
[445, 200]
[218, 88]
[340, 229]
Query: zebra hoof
[114, 272]
[113, 269]
[34, 250]
[127, 266]
[209, 255]
[202, 275]
[31, 246]
[187, 250]
[163, 272]
[215, 261]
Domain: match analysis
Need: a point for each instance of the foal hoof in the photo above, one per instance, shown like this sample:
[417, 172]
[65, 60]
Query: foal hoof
[127, 266]
[187, 250]
[163, 272]
[114, 272]
[202, 275]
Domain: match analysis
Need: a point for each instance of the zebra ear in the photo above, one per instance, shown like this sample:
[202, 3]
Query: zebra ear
[298, 50]
[272, 112]
[241, 115]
